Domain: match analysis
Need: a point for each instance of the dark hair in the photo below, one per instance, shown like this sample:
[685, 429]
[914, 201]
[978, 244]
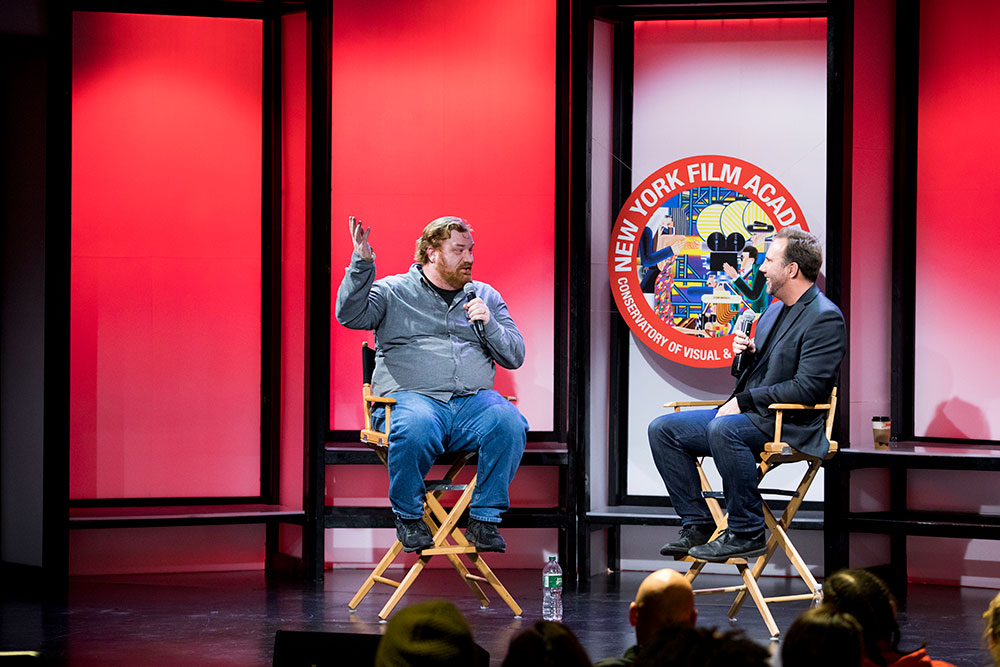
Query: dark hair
[545, 644]
[680, 646]
[752, 251]
[867, 598]
[802, 248]
[437, 232]
[823, 637]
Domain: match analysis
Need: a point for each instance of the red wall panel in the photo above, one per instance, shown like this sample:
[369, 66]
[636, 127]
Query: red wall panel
[293, 243]
[166, 251]
[449, 109]
[958, 188]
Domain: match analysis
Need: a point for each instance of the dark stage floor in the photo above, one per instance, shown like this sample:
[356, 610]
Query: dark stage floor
[231, 618]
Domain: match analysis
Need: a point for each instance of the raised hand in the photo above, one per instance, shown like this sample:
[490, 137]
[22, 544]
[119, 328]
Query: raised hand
[359, 235]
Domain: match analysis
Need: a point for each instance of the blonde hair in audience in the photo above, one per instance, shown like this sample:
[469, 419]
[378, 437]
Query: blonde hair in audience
[992, 633]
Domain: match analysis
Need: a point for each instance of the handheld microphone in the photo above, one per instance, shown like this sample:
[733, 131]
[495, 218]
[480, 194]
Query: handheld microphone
[470, 294]
[743, 325]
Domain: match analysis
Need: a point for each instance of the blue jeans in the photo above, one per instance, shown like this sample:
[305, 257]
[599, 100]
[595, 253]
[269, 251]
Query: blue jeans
[421, 428]
[678, 438]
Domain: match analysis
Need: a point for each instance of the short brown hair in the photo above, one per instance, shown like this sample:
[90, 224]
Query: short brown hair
[823, 636]
[437, 232]
[802, 248]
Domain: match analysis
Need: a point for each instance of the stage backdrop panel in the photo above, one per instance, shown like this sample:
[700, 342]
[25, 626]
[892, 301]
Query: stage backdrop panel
[166, 256]
[293, 256]
[753, 89]
[956, 392]
[448, 109]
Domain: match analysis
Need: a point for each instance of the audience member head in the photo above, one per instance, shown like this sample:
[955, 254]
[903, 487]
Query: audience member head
[546, 644]
[427, 633]
[684, 646]
[992, 634]
[867, 598]
[664, 598]
[823, 637]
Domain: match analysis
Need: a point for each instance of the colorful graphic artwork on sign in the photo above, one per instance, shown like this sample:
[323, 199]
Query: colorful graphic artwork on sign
[685, 254]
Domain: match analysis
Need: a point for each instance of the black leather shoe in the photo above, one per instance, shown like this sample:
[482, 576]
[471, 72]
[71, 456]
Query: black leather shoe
[414, 534]
[690, 536]
[485, 535]
[731, 545]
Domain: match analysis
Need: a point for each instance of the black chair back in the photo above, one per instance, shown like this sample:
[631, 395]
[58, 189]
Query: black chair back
[367, 363]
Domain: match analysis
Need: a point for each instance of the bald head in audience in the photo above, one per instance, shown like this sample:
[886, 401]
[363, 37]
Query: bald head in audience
[664, 598]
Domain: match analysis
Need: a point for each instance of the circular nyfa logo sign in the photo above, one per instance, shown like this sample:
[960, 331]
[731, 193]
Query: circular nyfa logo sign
[686, 250]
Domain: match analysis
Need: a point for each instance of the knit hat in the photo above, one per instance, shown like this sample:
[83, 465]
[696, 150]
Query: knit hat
[428, 633]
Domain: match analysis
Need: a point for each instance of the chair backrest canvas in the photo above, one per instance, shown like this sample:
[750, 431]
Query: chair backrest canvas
[367, 363]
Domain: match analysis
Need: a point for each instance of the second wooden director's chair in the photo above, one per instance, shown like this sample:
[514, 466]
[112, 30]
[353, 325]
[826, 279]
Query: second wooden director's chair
[443, 523]
[775, 453]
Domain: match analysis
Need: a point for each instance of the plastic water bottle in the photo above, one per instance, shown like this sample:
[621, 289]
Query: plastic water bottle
[552, 577]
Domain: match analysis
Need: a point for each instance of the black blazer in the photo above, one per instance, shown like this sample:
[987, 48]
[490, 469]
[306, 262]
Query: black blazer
[797, 363]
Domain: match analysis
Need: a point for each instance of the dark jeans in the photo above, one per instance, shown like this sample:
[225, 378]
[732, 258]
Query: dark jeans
[678, 438]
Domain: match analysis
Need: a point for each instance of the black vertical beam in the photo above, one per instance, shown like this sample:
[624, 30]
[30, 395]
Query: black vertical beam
[565, 328]
[271, 279]
[58, 152]
[614, 548]
[578, 436]
[897, 572]
[562, 148]
[836, 506]
[839, 178]
[840, 100]
[621, 187]
[317, 364]
[270, 434]
[904, 214]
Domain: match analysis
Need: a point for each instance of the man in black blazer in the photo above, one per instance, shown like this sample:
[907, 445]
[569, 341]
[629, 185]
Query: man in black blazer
[794, 358]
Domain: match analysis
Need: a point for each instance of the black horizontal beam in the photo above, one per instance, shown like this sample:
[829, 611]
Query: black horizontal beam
[214, 516]
[241, 9]
[645, 516]
[533, 456]
[382, 517]
[924, 524]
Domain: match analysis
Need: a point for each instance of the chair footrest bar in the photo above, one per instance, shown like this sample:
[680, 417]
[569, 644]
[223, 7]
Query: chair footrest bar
[779, 492]
[724, 589]
[790, 598]
[731, 561]
[383, 580]
[440, 551]
[476, 577]
[444, 486]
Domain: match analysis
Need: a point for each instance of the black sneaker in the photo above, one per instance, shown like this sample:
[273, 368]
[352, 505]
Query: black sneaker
[414, 534]
[690, 536]
[485, 536]
[731, 545]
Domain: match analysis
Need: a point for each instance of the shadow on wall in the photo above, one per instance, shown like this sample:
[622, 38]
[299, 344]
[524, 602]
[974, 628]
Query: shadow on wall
[956, 418]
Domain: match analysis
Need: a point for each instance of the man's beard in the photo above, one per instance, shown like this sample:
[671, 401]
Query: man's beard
[455, 277]
[773, 285]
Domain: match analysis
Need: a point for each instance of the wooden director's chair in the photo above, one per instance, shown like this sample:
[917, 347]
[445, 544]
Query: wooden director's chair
[443, 523]
[775, 454]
